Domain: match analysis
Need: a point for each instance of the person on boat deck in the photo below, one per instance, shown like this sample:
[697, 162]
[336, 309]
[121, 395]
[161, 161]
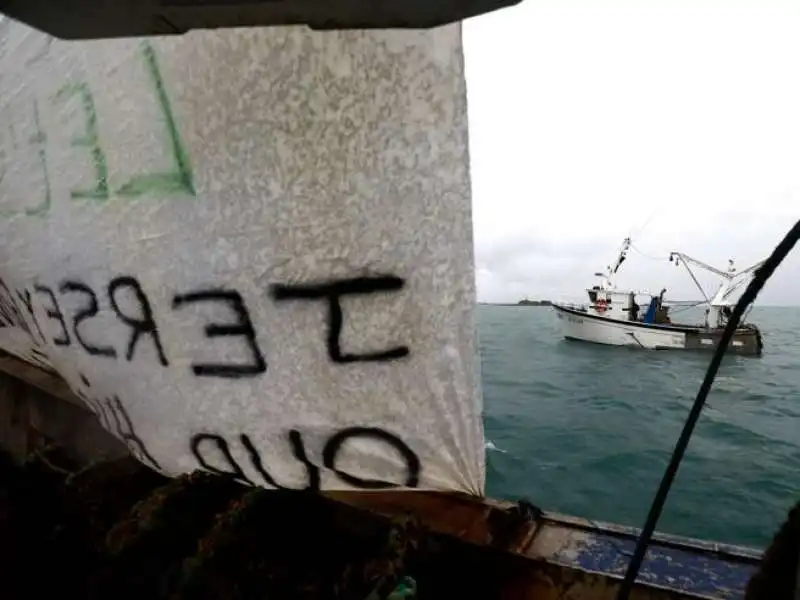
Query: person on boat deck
[662, 313]
[633, 308]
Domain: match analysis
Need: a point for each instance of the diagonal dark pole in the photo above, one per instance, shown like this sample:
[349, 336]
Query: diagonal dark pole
[760, 278]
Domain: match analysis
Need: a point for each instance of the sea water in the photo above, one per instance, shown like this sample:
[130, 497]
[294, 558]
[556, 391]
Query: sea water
[587, 430]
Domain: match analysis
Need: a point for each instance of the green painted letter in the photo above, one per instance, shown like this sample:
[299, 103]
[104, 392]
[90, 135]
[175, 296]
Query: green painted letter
[180, 178]
[89, 140]
[38, 139]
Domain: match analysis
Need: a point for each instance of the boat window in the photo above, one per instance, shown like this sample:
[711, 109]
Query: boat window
[592, 295]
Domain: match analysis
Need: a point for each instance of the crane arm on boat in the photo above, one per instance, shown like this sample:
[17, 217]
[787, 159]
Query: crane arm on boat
[731, 279]
[678, 257]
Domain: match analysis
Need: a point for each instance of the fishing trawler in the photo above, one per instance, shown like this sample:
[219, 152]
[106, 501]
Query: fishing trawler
[615, 317]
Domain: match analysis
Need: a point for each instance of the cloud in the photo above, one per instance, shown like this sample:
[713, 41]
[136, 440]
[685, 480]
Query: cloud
[591, 122]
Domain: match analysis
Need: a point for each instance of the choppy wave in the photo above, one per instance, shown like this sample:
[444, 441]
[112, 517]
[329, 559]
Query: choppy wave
[490, 446]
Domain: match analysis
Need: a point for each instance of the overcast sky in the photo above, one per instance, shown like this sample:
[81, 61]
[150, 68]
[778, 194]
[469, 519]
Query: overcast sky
[675, 121]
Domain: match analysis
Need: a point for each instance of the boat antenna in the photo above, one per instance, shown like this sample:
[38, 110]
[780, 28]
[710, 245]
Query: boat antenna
[762, 274]
[636, 232]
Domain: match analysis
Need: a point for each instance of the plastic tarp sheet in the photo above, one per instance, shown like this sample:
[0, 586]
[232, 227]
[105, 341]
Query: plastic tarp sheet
[251, 250]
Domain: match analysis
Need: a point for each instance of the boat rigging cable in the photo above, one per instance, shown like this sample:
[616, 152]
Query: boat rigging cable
[760, 278]
[650, 256]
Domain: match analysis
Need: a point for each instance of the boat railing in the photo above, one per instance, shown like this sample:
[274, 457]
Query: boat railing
[571, 305]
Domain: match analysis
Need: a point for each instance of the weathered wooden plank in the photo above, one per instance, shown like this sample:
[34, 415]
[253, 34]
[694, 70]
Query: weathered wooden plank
[46, 381]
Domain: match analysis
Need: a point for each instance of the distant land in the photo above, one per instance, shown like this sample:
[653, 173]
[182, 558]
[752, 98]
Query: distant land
[524, 302]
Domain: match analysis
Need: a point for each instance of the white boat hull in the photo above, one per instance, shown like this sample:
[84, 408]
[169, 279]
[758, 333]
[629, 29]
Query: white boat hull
[617, 333]
[582, 325]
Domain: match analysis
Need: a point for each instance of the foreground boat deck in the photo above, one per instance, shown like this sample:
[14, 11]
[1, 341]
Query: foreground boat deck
[596, 553]
[118, 528]
[700, 568]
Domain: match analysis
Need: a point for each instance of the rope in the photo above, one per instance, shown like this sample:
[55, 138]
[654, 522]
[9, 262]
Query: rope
[639, 231]
[760, 278]
[635, 249]
[684, 307]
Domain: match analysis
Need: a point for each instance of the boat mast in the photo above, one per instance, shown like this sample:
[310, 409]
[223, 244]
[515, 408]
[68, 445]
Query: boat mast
[608, 278]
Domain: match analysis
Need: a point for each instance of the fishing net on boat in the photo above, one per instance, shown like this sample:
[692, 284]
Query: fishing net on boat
[119, 530]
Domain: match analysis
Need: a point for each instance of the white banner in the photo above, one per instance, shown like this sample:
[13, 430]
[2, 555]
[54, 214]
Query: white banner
[249, 251]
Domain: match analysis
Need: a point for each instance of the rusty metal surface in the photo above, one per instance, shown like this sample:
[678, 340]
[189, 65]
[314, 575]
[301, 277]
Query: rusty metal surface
[548, 557]
[577, 557]
[472, 519]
